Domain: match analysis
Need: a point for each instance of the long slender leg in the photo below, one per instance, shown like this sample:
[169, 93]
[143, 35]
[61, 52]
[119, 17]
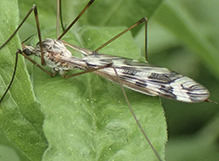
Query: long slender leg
[88, 71]
[133, 114]
[13, 34]
[59, 11]
[34, 8]
[12, 79]
[57, 17]
[126, 30]
[39, 35]
[76, 19]
[15, 69]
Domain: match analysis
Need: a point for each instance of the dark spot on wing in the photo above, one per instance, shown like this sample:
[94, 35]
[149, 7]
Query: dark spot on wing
[166, 89]
[141, 84]
[159, 77]
[128, 71]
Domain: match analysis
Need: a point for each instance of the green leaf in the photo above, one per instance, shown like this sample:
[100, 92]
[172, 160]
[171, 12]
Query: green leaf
[86, 117]
[20, 115]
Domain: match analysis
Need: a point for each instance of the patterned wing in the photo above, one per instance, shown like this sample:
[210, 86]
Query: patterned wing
[148, 79]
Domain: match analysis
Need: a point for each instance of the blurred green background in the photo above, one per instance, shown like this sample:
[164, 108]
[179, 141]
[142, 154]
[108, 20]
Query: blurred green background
[182, 36]
[192, 128]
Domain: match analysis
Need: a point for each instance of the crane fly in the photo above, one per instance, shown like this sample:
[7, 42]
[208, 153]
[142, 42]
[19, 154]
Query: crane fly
[138, 76]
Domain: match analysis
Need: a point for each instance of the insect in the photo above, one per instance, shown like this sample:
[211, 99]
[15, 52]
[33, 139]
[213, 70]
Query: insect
[129, 73]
